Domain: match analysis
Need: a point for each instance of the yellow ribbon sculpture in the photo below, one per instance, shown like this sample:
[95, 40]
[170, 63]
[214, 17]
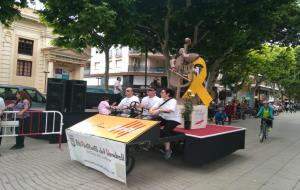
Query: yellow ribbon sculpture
[197, 83]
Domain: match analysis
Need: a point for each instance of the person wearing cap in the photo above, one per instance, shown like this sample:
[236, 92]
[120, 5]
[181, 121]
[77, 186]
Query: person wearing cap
[148, 102]
[266, 112]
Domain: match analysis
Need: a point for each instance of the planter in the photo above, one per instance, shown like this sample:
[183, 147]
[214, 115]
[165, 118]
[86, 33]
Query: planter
[187, 125]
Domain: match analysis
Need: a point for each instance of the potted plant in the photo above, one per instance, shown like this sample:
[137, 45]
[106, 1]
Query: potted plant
[187, 109]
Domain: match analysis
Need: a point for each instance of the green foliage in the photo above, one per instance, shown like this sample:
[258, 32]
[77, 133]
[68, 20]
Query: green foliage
[9, 10]
[188, 106]
[89, 23]
[220, 30]
[270, 63]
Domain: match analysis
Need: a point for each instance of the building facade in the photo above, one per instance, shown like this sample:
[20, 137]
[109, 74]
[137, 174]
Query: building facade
[27, 57]
[127, 63]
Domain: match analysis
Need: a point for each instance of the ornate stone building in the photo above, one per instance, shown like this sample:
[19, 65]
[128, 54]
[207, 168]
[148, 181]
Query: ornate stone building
[27, 57]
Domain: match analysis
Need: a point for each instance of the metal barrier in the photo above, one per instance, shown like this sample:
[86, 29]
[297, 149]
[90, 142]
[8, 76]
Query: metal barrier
[31, 123]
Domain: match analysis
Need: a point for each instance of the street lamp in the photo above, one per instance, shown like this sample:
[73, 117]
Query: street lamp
[259, 76]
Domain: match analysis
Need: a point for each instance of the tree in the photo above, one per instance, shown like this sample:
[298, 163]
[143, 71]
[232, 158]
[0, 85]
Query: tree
[9, 10]
[237, 74]
[80, 24]
[219, 29]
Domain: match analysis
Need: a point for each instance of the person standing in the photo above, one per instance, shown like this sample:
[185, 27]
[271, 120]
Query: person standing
[155, 83]
[229, 111]
[22, 105]
[117, 86]
[2, 108]
[2, 105]
[169, 116]
[148, 102]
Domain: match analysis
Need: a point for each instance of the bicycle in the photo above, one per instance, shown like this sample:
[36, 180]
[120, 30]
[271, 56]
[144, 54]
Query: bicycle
[264, 129]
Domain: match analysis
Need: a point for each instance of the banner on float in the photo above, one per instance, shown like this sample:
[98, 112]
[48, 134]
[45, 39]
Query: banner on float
[199, 117]
[104, 155]
[120, 129]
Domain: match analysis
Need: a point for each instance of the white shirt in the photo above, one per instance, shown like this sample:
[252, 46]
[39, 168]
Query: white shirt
[171, 104]
[125, 103]
[149, 103]
[117, 86]
[2, 104]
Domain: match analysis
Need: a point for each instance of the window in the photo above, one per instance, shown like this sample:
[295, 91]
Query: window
[25, 46]
[24, 68]
[97, 65]
[34, 95]
[119, 52]
[8, 93]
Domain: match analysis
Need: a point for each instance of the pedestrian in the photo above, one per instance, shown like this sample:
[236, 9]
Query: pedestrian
[2, 108]
[22, 105]
[155, 83]
[117, 86]
[229, 111]
[2, 105]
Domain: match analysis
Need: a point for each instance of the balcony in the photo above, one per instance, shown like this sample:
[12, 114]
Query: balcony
[149, 69]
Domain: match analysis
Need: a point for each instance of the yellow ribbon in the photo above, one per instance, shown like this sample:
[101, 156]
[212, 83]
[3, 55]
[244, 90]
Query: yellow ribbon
[197, 84]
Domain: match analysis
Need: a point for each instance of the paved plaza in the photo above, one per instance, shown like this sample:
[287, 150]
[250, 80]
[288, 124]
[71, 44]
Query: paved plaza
[273, 165]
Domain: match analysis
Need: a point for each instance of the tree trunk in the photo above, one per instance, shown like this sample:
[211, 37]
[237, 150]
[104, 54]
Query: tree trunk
[165, 43]
[211, 79]
[106, 74]
[214, 69]
[167, 63]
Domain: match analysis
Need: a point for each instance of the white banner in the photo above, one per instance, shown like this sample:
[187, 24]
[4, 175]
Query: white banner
[101, 154]
[199, 117]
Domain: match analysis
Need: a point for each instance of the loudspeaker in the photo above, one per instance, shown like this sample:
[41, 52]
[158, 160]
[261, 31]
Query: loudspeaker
[56, 90]
[76, 95]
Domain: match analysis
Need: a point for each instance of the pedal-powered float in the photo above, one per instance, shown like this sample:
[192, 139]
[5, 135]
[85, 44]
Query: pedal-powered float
[105, 142]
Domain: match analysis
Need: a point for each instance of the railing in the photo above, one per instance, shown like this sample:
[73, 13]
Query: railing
[36, 123]
[132, 68]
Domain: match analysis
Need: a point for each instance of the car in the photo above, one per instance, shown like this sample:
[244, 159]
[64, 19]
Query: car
[8, 92]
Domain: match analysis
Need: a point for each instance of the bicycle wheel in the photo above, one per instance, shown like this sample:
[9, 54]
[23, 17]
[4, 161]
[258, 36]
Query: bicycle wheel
[263, 133]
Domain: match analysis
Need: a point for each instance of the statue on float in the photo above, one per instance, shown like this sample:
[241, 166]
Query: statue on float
[189, 71]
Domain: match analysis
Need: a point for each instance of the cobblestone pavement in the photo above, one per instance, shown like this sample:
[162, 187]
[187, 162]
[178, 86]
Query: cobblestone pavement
[272, 165]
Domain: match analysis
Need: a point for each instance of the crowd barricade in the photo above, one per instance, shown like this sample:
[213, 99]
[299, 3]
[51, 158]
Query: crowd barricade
[31, 123]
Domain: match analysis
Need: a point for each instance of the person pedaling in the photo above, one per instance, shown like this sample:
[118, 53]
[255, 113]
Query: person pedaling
[266, 112]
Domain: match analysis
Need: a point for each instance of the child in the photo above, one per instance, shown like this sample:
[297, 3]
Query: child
[220, 117]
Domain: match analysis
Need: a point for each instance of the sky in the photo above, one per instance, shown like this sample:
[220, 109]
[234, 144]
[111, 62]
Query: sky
[37, 5]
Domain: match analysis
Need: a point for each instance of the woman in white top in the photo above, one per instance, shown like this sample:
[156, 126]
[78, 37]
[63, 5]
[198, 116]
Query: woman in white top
[168, 114]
